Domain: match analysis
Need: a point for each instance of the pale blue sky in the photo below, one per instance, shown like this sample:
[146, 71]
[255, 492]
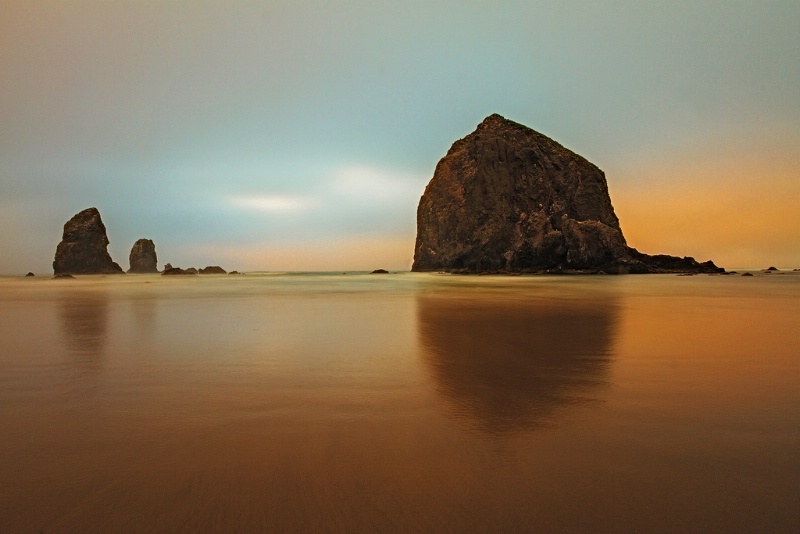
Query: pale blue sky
[300, 135]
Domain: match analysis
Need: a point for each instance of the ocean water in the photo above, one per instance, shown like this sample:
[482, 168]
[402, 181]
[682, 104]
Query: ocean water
[400, 403]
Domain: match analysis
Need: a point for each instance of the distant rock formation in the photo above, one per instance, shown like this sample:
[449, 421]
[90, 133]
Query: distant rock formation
[143, 257]
[507, 199]
[380, 271]
[213, 269]
[177, 270]
[84, 247]
[30, 274]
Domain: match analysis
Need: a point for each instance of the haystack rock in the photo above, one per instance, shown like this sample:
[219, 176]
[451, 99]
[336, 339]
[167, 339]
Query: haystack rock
[507, 199]
[84, 247]
[143, 257]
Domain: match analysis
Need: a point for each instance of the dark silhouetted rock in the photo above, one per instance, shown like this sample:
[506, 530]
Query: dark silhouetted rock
[380, 271]
[747, 274]
[84, 247]
[143, 257]
[62, 275]
[772, 268]
[178, 270]
[167, 267]
[507, 199]
[234, 272]
[30, 274]
[661, 263]
[213, 269]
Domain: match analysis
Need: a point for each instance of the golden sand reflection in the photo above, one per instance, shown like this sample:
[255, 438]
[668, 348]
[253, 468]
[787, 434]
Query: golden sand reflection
[400, 404]
[512, 365]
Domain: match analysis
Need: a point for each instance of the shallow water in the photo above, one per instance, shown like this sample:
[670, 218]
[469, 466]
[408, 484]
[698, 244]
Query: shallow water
[400, 403]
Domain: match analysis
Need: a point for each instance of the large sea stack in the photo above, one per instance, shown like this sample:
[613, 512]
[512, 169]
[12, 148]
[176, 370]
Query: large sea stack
[507, 199]
[84, 247]
[143, 257]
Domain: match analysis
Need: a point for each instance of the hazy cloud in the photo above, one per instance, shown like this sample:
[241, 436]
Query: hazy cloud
[274, 203]
[373, 184]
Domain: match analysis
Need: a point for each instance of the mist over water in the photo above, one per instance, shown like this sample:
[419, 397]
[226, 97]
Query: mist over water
[404, 402]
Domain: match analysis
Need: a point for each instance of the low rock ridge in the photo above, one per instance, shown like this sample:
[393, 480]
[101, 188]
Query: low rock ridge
[507, 199]
[211, 269]
[177, 270]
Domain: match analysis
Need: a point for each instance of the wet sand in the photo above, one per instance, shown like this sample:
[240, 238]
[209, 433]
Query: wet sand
[401, 403]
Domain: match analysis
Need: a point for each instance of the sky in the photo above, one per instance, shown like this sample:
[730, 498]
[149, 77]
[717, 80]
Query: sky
[271, 135]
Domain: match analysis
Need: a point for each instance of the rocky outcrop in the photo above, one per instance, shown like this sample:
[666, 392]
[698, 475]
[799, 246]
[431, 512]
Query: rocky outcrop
[29, 274]
[177, 270]
[213, 269]
[508, 199]
[380, 271]
[143, 257]
[84, 247]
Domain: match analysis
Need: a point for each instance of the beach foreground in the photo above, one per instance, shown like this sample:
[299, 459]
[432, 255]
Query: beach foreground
[400, 403]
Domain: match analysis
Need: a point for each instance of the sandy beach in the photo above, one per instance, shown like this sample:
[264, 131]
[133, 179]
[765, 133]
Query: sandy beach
[400, 403]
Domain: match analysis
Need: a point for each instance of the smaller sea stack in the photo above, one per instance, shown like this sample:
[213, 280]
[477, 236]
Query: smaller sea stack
[143, 257]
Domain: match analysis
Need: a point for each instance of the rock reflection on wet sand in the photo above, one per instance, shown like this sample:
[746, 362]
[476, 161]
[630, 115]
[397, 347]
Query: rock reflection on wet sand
[511, 365]
[84, 319]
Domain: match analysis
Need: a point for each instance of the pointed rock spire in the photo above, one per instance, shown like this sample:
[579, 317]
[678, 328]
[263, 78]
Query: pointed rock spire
[84, 247]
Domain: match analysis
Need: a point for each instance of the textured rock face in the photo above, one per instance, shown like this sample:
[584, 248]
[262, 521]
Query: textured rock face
[143, 257]
[84, 247]
[508, 199]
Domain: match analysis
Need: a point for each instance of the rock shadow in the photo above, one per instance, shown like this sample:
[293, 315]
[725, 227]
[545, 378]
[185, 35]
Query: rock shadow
[514, 365]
